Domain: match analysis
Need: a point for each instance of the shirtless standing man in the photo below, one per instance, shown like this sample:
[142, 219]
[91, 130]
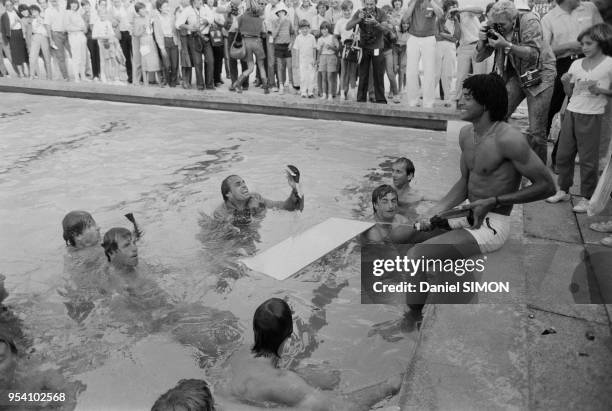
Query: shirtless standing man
[494, 158]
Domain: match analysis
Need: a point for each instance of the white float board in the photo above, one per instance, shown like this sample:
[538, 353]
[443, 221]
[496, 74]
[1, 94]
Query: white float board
[291, 255]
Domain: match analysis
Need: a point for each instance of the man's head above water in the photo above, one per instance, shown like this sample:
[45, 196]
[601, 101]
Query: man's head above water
[384, 202]
[120, 248]
[8, 360]
[188, 395]
[402, 172]
[80, 229]
[234, 189]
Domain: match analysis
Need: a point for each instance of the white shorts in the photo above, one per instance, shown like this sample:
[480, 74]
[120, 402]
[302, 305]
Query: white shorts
[493, 232]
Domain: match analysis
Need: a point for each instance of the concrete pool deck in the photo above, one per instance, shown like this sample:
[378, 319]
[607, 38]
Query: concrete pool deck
[495, 356]
[251, 101]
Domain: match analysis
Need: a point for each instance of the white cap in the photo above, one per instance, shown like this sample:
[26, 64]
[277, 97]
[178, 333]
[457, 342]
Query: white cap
[281, 7]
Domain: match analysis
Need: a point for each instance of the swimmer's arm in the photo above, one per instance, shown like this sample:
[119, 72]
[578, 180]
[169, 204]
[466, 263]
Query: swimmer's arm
[292, 203]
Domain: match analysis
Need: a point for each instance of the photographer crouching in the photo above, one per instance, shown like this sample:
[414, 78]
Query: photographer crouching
[372, 34]
[526, 63]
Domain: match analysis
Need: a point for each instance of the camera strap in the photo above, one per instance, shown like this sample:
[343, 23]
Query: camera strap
[517, 30]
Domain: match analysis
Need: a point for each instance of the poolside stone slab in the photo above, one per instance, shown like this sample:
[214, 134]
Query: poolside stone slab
[455, 370]
[591, 236]
[253, 101]
[551, 221]
[600, 259]
[560, 281]
[567, 370]
[505, 265]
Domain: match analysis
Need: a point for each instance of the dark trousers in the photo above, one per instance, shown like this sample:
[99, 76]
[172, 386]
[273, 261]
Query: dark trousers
[378, 73]
[94, 51]
[579, 134]
[233, 63]
[556, 101]
[126, 47]
[209, 64]
[171, 61]
[194, 47]
[218, 54]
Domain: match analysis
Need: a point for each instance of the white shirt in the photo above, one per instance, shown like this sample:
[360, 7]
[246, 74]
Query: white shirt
[340, 30]
[208, 14]
[270, 15]
[305, 46]
[124, 20]
[185, 15]
[582, 100]
[559, 26]
[14, 20]
[55, 18]
[38, 27]
[470, 26]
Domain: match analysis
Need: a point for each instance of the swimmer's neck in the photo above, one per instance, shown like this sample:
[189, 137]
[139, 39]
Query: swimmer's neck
[402, 187]
[238, 204]
[123, 270]
[383, 220]
[483, 124]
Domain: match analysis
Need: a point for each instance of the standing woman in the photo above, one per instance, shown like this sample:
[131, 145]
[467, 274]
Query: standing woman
[250, 25]
[40, 42]
[167, 39]
[143, 30]
[75, 26]
[23, 11]
[17, 41]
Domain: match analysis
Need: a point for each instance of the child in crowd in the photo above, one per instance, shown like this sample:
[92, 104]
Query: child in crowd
[587, 84]
[327, 47]
[390, 38]
[143, 30]
[282, 31]
[110, 52]
[305, 47]
[348, 69]
[318, 19]
[39, 42]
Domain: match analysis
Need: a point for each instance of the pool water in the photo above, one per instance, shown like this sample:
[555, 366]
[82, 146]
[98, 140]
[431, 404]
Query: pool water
[165, 165]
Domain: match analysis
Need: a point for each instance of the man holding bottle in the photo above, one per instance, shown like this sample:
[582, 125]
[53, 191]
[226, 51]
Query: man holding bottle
[494, 158]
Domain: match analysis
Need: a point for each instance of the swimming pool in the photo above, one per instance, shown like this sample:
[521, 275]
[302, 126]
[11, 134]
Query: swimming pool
[165, 165]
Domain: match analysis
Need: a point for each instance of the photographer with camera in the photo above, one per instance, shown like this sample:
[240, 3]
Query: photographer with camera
[372, 34]
[526, 63]
[422, 15]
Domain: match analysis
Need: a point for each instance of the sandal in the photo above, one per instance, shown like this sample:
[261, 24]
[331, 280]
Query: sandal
[607, 241]
[602, 226]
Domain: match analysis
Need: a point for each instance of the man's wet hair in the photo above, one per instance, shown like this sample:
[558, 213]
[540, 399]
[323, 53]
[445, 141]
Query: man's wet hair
[380, 192]
[74, 223]
[408, 164]
[225, 186]
[188, 395]
[272, 324]
[490, 91]
[602, 35]
[110, 244]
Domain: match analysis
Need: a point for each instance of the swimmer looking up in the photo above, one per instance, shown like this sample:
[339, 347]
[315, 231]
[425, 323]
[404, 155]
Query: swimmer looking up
[256, 378]
[120, 249]
[239, 204]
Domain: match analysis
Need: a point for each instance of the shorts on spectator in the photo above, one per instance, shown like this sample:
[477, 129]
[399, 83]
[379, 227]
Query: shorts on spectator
[282, 50]
[328, 63]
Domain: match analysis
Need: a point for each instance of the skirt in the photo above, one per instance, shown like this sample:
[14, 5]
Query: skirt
[18, 47]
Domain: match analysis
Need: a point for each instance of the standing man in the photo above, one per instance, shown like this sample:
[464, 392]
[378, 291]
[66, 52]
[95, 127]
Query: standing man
[121, 13]
[561, 27]
[421, 45]
[466, 52]
[58, 38]
[5, 35]
[526, 63]
[269, 21]
[371, 34]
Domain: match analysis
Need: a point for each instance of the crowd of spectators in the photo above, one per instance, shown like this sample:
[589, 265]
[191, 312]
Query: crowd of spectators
[367, 50]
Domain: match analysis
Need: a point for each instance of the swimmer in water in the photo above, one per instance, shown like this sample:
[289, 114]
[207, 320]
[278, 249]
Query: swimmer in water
[384, 203]
[257, 379]
[240, 205]
[80, 230]
[407, 196]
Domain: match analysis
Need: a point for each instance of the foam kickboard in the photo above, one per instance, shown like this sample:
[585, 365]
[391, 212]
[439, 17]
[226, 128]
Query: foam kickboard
[286, 258]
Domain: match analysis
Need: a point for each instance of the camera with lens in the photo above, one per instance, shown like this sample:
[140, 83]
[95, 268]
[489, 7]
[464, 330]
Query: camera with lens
[492, 28]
